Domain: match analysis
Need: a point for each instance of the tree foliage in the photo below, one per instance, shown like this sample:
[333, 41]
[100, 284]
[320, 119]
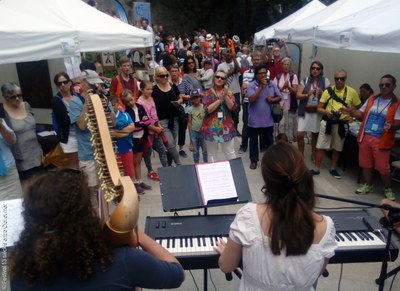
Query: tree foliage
[242, 17]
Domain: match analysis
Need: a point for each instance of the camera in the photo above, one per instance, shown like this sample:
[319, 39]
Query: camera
[335, 116]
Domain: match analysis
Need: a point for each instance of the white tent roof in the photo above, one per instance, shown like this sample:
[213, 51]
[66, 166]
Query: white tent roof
[303, 31]
[34, 30]
[375, 28]
[307, 10]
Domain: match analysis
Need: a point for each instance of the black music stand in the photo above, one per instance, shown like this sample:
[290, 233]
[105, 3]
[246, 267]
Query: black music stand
[392, 210]
[180, 190]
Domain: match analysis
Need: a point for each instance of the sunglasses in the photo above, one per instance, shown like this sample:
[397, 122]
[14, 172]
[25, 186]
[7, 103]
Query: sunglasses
[15, 96]
[163, 76]
[62, 83]
[340, 79]
[220, 77]
[316, 68]
[385, 85]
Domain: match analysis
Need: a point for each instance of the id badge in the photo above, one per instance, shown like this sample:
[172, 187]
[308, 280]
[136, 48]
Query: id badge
[314, 101]
[220, 114]
[285, 96]
[374, 127]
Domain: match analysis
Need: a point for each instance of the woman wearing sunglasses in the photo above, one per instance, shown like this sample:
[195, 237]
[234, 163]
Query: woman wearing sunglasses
[218, 127]
[308, 93]
[61, 120]
[19, 117]
[167, 103]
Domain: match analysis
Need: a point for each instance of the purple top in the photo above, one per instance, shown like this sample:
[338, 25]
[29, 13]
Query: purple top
[260, 114]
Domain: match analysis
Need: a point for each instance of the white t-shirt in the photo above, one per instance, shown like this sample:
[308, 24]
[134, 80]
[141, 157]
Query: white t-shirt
[264, 271]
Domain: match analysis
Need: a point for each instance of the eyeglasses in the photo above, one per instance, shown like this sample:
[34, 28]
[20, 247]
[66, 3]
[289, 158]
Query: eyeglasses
[220, 77]
[385, 85]
[15, 96]
[316, 68]
[163, 76]
[62, 83]
[340, 79]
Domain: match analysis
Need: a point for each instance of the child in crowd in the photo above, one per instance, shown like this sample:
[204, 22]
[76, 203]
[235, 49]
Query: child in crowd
[141, 121]
[122, 134]
[206, 74]
[281, 138]
[195, 122]
[155, 130]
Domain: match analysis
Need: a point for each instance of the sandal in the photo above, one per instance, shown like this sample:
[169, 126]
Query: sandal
[153, 176]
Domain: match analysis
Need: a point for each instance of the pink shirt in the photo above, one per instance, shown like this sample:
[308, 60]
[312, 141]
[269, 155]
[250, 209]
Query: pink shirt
[150, 107]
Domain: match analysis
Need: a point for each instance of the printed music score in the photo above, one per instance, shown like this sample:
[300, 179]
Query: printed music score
[216, 182]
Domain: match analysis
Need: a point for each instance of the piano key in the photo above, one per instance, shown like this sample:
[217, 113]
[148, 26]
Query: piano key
[350, 242]
[359, 235]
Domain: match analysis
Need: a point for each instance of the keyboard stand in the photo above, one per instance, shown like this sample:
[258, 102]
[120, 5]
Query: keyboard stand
[393, 217]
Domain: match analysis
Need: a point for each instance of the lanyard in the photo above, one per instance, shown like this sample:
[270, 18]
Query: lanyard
[377, 107]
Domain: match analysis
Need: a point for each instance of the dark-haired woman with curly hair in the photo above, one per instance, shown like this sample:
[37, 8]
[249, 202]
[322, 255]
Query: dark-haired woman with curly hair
[283, 243]
[62, 246]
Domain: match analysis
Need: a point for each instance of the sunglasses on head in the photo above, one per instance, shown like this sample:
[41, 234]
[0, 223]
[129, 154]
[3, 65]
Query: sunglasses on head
[15, 96]
[62, 83]
[220, 77]
[385, 85]
[340, 79]
[316, 68]
[163, 76]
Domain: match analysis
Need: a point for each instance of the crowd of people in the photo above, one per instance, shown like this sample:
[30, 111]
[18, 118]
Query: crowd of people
[197, 89]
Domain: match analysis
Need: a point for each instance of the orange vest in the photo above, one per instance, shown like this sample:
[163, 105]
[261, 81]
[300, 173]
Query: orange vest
[388, 136]
[120, 88]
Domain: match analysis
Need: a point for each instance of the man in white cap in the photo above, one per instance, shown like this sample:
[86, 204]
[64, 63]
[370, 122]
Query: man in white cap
[208, 42]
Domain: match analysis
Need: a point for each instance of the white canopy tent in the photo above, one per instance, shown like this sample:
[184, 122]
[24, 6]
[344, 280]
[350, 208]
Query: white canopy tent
[375, 28]
[41, 29]
[311, 8]
[303, 31]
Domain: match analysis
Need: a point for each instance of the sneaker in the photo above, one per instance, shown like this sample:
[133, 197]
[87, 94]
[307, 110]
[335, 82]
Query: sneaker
[365, 189]
[139, 189]
[153, 176]
[314, 172]
[242, 150]
[183, 154]
[390, 194]
[335, 173]
[253, 166]
[145, 186]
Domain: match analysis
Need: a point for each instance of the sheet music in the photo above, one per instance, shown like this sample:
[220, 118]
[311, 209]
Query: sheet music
[11, 222]
[216, 181]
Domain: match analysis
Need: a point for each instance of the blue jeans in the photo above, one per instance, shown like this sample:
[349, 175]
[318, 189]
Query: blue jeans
[198, 142]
